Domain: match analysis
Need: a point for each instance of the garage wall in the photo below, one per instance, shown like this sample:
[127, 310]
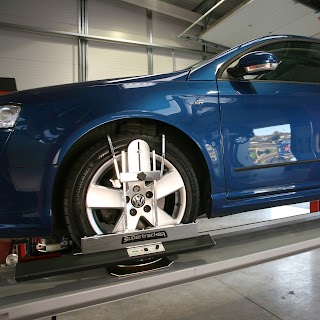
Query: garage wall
[116, 19]
[165, 31]
[184, 60]
[56, 15]
[108, 60]
[163, 61]
[121, 20]
[39, 60]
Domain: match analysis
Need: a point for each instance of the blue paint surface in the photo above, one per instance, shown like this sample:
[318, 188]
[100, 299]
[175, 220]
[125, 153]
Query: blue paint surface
[260, 138]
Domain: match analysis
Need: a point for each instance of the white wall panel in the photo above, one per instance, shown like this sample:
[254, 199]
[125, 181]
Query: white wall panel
[117, 19]
[185, 60]
[166, 30]
[40, 60]
[55, 15]
[113, 60]
[162, 61]
[37, 61]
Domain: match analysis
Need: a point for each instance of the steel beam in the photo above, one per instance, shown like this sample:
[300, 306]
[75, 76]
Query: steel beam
[173, 60]
[201, 18]
[21, 28]
[204, 5]
[82, 43]
[150, 40]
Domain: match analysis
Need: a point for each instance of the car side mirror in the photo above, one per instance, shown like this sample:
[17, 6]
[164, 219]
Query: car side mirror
[254, 63]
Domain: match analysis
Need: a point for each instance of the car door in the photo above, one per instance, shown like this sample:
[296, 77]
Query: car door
[270, 123]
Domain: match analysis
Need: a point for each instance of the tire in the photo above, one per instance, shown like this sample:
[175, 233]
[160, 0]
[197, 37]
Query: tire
[92, 192]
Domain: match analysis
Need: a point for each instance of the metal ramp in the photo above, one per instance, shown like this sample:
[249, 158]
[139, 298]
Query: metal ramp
[236, 247]
[93, 255]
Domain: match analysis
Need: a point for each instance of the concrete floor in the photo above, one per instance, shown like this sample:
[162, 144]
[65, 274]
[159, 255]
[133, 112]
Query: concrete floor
[288, 288]
[283, 289]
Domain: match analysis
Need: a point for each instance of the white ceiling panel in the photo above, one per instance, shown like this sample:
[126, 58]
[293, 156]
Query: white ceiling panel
[261, 17]
[309, 25]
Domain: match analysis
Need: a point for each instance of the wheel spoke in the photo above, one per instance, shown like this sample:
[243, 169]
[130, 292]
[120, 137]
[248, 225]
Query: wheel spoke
[132, 223]
[170, 183]
[164, 219]
[119, 226]
[102, 197]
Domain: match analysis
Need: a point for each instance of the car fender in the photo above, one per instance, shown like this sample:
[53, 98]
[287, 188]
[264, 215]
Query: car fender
[72, 139]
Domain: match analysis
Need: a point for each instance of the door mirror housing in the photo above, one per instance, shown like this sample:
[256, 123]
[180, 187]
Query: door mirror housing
[254, 63]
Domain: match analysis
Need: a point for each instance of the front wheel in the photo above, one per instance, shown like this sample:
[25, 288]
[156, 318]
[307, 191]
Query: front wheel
[93, 196]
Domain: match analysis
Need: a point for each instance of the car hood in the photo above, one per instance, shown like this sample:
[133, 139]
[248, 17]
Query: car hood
[173, 76]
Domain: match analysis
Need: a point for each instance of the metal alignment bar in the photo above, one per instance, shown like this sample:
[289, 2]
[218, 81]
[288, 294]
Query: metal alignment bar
[150, 40]
[16, 27]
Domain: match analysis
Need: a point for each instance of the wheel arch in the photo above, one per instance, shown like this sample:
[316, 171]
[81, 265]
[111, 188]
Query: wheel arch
[136, 125]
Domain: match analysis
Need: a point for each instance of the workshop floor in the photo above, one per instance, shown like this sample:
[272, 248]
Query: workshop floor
[287, 288]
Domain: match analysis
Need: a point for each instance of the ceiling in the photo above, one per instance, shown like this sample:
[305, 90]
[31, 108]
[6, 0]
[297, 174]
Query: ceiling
[202, 6]
[260, 17]
[237, 21]
[185, 4]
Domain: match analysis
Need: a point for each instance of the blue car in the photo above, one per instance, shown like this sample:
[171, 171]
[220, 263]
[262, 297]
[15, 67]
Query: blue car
[67, 152]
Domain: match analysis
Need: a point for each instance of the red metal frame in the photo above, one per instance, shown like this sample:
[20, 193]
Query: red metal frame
[315, 206]
[4, 249]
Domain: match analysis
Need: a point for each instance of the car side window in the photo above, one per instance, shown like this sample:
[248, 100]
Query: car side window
[299, 62]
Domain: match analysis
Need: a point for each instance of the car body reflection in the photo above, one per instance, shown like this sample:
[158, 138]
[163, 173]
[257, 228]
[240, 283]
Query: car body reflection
[271, 145]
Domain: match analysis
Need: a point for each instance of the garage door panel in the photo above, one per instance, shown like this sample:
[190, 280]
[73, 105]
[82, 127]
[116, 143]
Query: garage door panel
[116, 19]
[55, 15]
[37, 61]
[185, 60]
[162, 61]
[24, 46]
[32, 74]
[111, 60]
[166, 30]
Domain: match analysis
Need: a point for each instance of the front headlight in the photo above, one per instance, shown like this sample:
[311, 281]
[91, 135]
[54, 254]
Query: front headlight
[8, 115]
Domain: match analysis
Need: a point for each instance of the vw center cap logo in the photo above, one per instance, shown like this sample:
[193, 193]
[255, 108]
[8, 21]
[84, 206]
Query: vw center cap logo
[138, 200]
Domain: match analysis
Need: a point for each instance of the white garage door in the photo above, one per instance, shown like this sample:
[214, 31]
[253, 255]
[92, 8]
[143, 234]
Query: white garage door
[37, 60]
